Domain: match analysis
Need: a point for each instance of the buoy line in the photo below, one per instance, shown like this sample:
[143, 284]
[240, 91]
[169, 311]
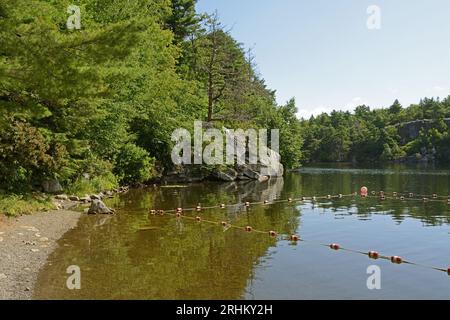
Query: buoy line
[178, 213]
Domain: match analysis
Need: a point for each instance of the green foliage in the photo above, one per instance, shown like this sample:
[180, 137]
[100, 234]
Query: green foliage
[134, 165]
[375, 135]
[16, 204]
[97, 106]
[85, 186]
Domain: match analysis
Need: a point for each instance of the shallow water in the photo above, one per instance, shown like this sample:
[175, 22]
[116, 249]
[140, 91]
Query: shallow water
[133, 255]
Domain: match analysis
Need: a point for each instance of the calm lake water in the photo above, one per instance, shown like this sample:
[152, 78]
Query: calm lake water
[134, 255]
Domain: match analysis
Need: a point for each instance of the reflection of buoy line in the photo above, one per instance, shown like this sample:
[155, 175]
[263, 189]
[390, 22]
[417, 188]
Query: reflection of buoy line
[178, 213]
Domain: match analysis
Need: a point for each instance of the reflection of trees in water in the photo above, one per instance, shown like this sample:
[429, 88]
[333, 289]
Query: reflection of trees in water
[170, 258]
[432, 213]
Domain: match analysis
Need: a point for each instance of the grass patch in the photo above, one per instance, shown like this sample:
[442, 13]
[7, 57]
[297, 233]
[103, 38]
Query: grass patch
[84, 187]
[17, 204]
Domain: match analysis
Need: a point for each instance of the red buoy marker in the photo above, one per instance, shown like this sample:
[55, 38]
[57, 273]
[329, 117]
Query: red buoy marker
[363, 192]
[396, 259]
[272, 233]
[248, 229]
[295, 238]
[335, 246]
[374, 255]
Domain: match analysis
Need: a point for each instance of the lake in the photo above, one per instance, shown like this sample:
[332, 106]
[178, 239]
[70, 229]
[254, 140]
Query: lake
[136, 255]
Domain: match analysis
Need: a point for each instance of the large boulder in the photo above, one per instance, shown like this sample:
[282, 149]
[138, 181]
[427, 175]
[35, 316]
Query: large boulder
[98, 207]
[52, 186]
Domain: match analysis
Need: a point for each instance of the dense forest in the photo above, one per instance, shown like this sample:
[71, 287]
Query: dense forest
[95, 107]
[419, 132]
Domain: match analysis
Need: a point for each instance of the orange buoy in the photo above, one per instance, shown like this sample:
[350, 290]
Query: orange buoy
[199, 219]
[179, 210]
[383, 197]
[396, 259]
[272, 233]
[335, 246]
[402, 198]
[373, 255]
[178, 214]
[247, 204]
[152, 212]
[161, 212]
[248, 229]
[435, 196]
[363, 192]
[199, 208]
[448, 271]
[224, 223]
[295, 238]
[222, 206]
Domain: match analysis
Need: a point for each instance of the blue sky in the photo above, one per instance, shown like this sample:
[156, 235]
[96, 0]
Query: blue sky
[322, 53]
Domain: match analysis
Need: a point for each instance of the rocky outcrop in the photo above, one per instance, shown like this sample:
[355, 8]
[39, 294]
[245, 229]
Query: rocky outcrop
[410, 130]
[227, 174]
[268, 167]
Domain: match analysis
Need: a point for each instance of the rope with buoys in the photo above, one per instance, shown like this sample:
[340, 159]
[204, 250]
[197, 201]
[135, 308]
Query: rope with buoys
[178, 213]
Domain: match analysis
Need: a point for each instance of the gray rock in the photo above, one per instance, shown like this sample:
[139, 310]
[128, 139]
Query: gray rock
[95, 197]
[85, 199]
[61, 197]
[250, 173]
[52, 186]
[225, 175]
[74, 198]
[98, 207]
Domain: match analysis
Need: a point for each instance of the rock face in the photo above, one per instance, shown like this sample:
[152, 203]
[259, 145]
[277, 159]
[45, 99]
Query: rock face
[52, 186]
[410, 130]
[226, 174]
[98, 207]
[269, 166]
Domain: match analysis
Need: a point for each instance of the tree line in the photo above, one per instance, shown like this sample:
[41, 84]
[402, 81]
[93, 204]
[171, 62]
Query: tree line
[418, 132]
[96, 107]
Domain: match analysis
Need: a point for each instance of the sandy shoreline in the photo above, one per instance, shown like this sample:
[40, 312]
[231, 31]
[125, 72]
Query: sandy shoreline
[25, 244]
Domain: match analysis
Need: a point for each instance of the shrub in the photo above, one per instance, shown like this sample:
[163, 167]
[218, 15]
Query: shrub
[13, 204]
[134, 165]
[26, 156]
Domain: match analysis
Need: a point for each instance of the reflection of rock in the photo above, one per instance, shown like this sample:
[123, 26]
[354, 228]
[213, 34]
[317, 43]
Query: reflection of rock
[98, 207]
